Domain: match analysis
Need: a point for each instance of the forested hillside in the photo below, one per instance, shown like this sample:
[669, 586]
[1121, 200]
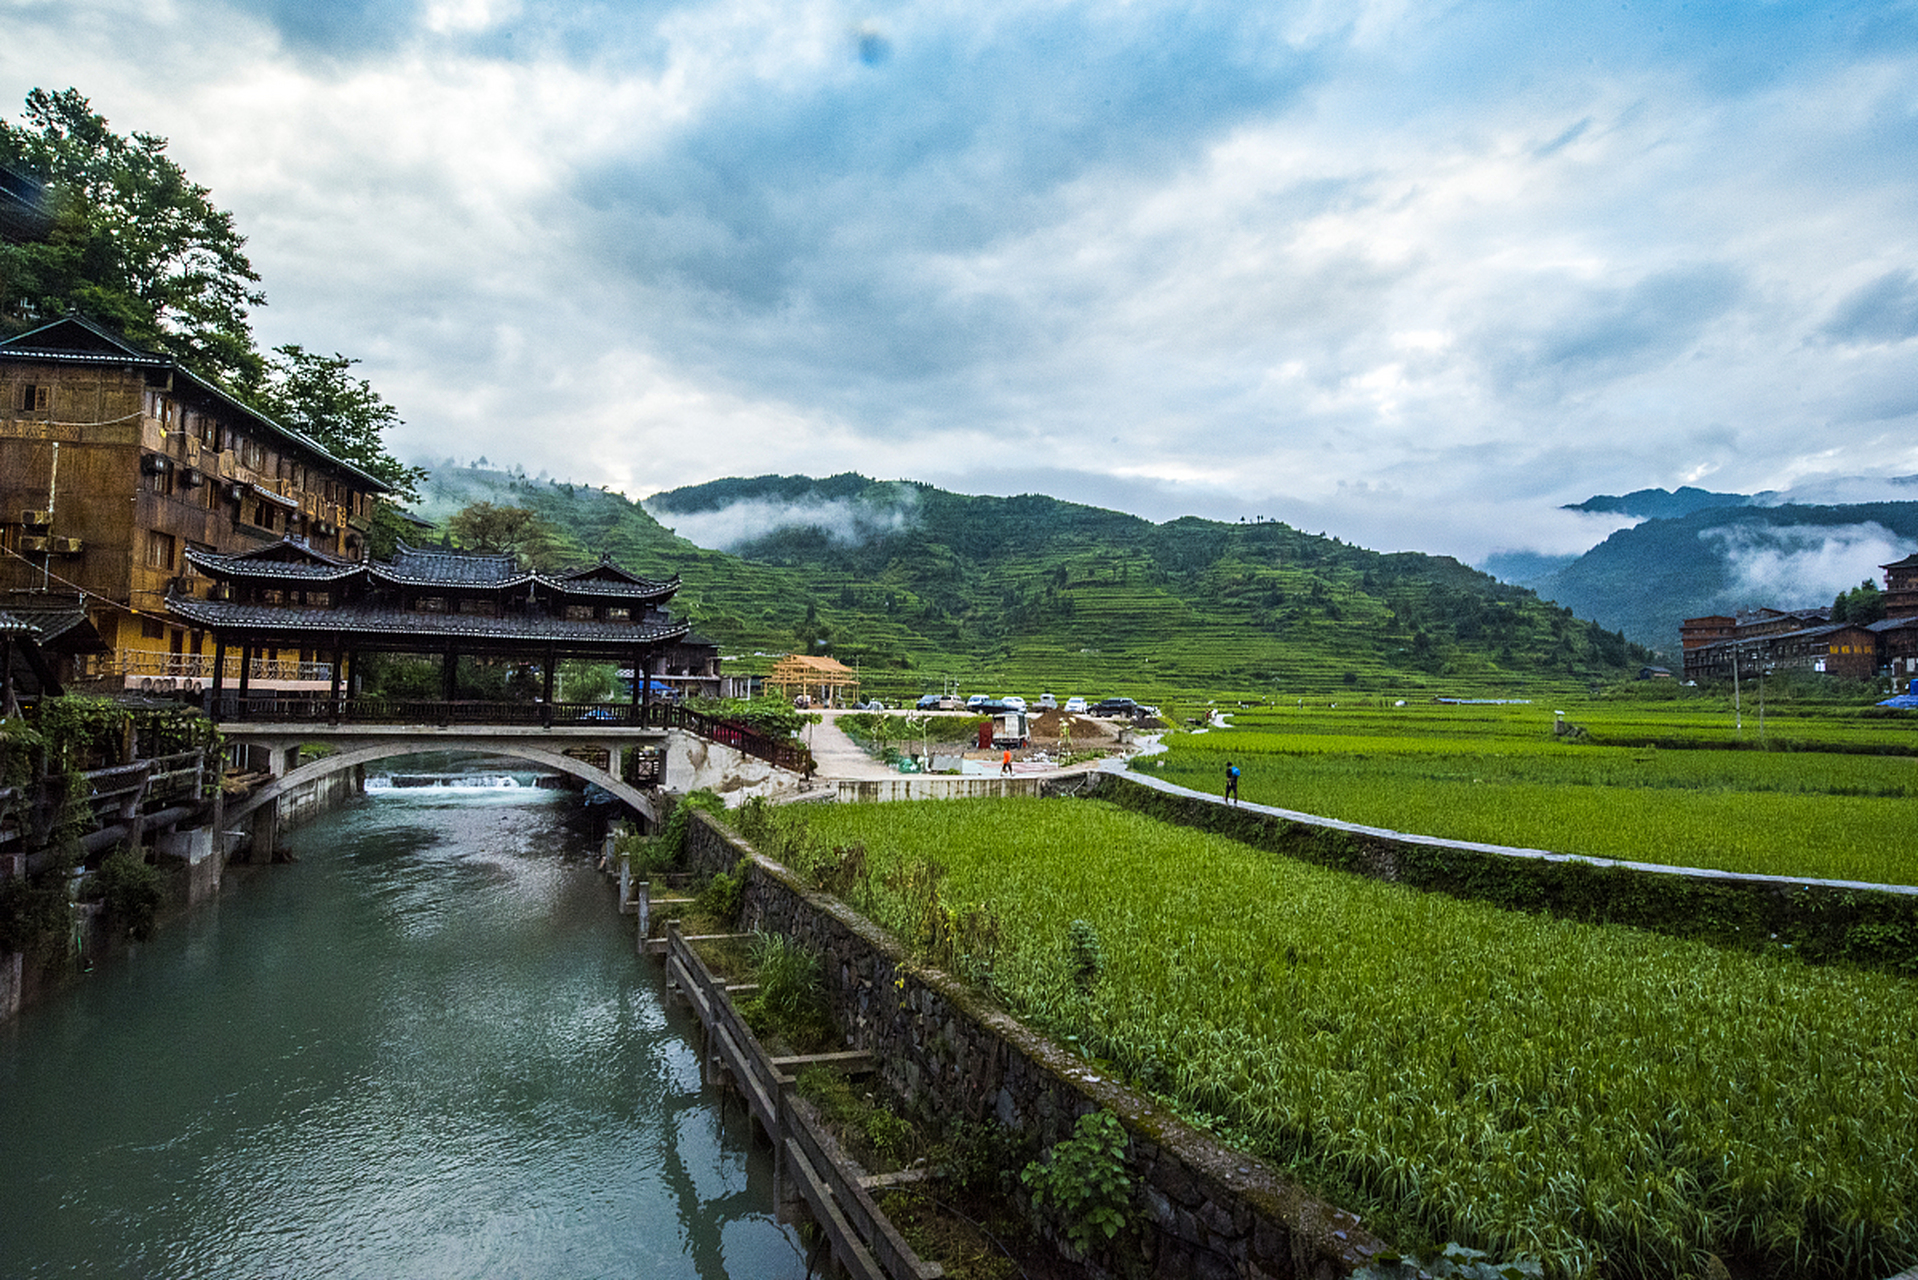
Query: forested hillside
[1646, 579]
[915, 584]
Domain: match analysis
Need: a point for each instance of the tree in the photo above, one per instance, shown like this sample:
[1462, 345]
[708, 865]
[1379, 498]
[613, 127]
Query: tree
[132, 242]
[517, 531]
[1863, 604]
[317, 396]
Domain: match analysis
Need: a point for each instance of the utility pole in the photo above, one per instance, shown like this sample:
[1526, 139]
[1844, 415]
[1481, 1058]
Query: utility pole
[1738, 711]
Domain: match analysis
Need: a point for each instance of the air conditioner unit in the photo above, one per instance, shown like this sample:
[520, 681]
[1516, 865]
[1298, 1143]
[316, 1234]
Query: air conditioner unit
[192, 479]
[33, 544]
[36, 519]
[67, 546]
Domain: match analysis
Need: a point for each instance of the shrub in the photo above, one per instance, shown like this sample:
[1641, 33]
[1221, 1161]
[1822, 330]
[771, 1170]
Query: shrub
[1083, 1182]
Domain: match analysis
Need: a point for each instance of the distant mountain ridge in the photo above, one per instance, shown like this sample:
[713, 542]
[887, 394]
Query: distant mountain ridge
[1719, 559]
[915, 583]
[1660, 504]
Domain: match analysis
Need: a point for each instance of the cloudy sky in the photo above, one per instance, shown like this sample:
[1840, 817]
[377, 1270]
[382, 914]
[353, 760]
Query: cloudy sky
[1411, 274]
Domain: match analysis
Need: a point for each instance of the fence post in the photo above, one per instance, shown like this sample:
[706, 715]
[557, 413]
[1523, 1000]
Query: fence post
[643, 904]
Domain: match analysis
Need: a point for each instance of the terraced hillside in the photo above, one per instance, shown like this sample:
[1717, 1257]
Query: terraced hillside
[915, 584]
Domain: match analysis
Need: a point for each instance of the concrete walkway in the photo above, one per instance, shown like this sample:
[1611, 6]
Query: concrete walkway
[840, 759]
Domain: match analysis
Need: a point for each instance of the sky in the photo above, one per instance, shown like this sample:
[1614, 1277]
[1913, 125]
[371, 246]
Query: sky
[1409, 274]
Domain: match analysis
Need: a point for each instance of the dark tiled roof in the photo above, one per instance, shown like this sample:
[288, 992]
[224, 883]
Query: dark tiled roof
[287, 561]
[1909, 562]
[361, 619]
[1892, 624]
[62, 628]
[411, 564]
[12, 626]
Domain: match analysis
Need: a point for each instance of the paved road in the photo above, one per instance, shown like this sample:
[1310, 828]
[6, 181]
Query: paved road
[840, 758]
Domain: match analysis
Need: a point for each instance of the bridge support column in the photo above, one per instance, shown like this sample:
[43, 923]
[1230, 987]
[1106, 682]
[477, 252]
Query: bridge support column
[265, 832]
[197, 848]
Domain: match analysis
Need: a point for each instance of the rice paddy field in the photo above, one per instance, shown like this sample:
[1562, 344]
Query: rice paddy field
[1662, 783]
[1615, 1103]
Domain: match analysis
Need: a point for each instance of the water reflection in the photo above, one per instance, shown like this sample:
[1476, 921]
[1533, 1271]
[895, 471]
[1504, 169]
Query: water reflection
[425, 1050]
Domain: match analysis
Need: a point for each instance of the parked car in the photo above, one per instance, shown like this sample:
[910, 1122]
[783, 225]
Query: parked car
[939, 702]
[1076, 705]
[975, 701]
[1047, 702]
[1113, 707]
[1013, 701]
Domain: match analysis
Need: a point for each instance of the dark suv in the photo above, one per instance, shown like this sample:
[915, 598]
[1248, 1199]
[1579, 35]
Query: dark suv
[1113, 707]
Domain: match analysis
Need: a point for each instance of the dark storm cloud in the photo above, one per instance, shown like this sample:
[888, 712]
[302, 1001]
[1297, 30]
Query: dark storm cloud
[808, 228]
[1886, 310]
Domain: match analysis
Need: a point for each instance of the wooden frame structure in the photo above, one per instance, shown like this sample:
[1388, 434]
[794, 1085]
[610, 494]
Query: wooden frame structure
[826, 680]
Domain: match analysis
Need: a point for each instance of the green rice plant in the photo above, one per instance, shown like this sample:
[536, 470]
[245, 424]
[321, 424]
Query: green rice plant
[791, 999]
[1502, 779]
[1606, 1100]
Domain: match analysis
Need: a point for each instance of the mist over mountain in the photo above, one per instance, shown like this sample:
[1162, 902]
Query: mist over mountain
[1660, 504]
[915, 583]
[1719, 559]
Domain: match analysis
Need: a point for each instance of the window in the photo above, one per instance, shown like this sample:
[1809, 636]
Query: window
[619, 615]
[432, 604]
[34, 398]
[480, 608]
[159, 550]
[152, 629]
[579, 613]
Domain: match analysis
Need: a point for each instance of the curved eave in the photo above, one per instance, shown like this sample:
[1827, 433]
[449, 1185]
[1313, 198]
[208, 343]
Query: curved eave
[225, 617]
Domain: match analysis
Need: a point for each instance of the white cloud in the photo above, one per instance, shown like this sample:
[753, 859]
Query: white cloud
[1411, 275]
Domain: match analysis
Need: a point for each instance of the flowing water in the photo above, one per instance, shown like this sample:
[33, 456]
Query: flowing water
[424, 1050]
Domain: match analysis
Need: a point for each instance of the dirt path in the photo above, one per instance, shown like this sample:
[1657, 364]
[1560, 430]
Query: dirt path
[838, 756]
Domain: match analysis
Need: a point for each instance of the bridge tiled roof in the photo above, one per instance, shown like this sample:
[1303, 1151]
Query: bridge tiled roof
[363, 619]
[288, 561]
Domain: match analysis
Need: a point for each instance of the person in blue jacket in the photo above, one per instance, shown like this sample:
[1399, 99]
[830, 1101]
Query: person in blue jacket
[1231, 782]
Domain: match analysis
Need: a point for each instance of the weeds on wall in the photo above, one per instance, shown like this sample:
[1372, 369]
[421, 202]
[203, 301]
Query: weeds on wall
[131, 891]
[791, 1001]
[1082, 1184]
[650, 855]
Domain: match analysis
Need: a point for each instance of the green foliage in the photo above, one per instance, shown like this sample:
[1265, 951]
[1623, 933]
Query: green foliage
[774, 717]
[1648, 783]
[1450, 1070]
[1453, 1262]
[723, 894]
[515, 531]
[318, 397]
[1027, 593]
[34, 913]
[1083, 1182]
[667, 849]
[132, 892]
[879, 1137]
[1084, 956]
[791, 1000]
[134, 242]
[1863, 604]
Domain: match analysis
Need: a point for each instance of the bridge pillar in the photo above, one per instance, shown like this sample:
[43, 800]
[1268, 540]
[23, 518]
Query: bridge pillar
[265, 831]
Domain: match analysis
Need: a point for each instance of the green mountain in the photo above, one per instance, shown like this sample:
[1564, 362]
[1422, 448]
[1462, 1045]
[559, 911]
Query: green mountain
[1646, 579]
[915, 585]
[1661, 504]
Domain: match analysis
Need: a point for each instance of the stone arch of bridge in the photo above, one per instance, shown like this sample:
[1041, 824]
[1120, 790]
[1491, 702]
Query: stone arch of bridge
[631, 796]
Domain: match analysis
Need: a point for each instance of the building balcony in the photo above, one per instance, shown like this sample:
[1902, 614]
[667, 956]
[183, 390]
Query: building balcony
[156, 670]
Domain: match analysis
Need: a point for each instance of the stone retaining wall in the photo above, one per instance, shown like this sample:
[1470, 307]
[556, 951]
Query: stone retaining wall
[1206, 1211]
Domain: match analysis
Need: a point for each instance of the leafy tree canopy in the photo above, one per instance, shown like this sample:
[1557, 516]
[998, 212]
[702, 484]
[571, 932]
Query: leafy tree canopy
[1863, 604]
[135, 243]
[482, 526]
[318, 396]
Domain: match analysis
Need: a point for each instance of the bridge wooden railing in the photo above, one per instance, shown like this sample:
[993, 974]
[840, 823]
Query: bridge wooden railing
[282, 708]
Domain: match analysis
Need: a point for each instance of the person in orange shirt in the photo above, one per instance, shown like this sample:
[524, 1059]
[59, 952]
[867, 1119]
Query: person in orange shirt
[1005, 761]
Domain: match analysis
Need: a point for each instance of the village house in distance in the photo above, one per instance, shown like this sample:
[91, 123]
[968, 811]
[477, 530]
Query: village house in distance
[1777, 640]
[116, 463]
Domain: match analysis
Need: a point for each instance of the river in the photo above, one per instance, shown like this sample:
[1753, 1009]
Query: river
[426, 1049]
